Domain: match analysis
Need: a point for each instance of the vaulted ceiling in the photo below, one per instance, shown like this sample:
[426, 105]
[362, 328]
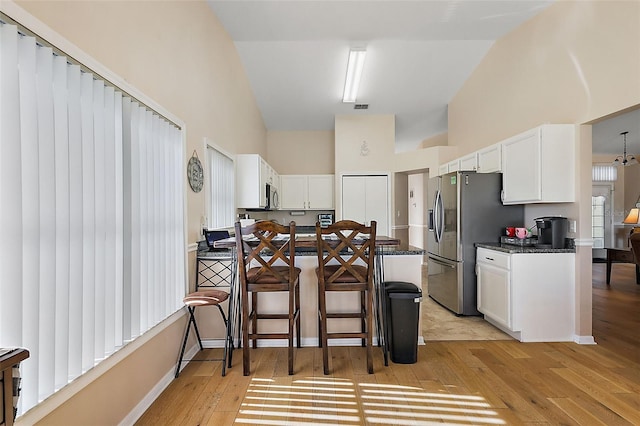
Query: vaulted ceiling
[419, 53]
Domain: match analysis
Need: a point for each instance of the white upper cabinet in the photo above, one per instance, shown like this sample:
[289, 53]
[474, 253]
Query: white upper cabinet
[253, 174]
[268, 175]
[490, 159]
[293, 192]
[321, 192]
[307, 192]
[538, 166]
[468, 163]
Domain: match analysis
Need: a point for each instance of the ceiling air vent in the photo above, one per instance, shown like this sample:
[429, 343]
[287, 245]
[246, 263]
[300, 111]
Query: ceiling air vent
[361, 106]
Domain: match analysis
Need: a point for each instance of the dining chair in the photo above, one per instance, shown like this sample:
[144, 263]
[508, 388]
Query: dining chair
[266, 263]
[346, 252]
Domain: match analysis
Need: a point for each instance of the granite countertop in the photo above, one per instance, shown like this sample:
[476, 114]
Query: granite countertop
[512, 248]
[398, 250]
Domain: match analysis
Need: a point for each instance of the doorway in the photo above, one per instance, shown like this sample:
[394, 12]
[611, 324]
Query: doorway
[601, 218]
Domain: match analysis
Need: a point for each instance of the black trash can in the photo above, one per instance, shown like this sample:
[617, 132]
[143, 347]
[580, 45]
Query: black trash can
[402, 303]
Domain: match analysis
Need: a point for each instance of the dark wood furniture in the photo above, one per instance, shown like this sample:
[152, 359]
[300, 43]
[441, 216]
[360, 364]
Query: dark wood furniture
[309, 245]
[258, 274]
[620, 255]
[8, 360]
[346, 264]
[634, 241]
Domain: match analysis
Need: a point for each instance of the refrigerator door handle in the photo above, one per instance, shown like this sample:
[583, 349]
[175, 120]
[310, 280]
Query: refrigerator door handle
[435, 217]
[440, 262]
[438, 216]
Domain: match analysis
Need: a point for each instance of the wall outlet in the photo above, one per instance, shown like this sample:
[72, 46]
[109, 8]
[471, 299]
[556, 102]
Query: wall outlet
[573, 226]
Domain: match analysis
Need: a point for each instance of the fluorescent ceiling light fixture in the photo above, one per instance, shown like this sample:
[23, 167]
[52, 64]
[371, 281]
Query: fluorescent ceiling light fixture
[354, 72]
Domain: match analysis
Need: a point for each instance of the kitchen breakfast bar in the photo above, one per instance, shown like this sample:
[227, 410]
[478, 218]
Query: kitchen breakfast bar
[395, 261]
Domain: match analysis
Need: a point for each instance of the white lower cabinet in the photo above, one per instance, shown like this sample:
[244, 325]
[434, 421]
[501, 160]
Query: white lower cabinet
[530, 296]
[493, 273]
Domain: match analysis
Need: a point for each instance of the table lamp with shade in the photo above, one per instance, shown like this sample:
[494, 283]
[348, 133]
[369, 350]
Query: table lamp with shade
[633, 218]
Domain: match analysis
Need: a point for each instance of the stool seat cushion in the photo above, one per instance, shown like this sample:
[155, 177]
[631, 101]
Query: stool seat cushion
[346, 277]
[205, 297]
[268, 278]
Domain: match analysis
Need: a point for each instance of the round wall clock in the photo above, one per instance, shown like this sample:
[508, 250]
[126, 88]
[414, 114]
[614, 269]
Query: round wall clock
[195, 173]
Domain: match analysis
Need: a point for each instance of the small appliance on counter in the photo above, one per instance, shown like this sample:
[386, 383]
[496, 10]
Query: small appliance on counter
[552, 231]
[325, 219]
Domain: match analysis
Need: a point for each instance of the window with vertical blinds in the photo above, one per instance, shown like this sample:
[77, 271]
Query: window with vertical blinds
[598, 221]
[604, 173]
[91, 220]
[221, 189]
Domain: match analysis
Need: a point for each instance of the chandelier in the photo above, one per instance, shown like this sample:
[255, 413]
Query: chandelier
[624, 159]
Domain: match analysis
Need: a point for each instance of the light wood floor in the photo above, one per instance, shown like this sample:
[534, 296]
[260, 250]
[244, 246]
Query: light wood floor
[453, 382]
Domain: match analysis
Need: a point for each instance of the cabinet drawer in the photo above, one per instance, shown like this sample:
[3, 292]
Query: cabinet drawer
[493, 257]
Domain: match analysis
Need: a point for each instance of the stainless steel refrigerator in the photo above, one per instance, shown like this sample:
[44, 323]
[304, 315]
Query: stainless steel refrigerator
[464, 209]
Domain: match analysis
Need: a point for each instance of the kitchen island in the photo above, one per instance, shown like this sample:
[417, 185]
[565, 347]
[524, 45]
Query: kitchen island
[398, 261]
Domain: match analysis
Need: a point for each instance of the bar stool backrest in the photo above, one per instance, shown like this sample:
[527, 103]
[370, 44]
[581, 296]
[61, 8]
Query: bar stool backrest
[261, 239]
[342, 239]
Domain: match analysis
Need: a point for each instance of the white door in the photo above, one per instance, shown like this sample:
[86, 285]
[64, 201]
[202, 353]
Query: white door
[602, 218]
[354, 198]
[366, 198]
[377, 203]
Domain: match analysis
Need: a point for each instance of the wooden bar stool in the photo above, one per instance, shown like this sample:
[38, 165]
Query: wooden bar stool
[346, 252]
[266, 263]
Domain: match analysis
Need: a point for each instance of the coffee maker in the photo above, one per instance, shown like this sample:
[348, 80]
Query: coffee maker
[552, 231]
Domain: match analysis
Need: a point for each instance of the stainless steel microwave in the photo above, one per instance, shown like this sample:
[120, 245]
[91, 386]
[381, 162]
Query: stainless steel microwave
[273, 202]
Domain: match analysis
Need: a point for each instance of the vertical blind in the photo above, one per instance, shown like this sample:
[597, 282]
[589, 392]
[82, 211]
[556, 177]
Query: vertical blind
[604, 173]
[598, 215]
[91, 216]
[221, 184]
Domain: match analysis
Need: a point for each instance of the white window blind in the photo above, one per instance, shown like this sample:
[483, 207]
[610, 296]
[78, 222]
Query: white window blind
[604, 173]
[91, 216]
[221, 189]
[598, 214]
